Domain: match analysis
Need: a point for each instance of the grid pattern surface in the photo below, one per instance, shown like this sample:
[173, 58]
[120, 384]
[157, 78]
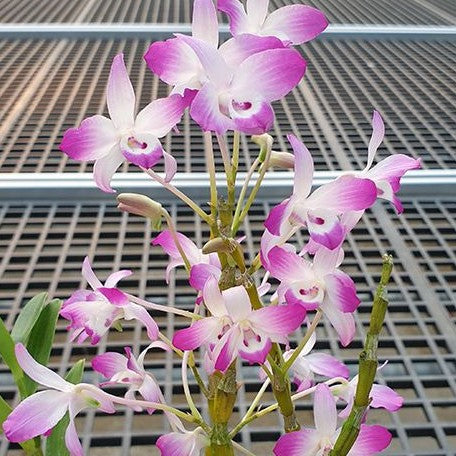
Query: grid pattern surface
[412, 83]
[43, 246]
[178, 11]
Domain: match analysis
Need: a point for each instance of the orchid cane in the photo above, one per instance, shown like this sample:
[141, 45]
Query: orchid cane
[228, 89]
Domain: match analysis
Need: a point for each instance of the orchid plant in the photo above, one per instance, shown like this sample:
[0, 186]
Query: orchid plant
[239, 312]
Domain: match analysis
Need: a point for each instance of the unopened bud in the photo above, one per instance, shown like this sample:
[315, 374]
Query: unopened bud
[217, 245]
[282, 159]
[142, 205]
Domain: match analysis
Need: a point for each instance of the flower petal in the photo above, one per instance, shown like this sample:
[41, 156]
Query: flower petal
[257, 11]
[256, 349]
[325, 228]
[115, 296]
[175, 63]
[237, 303]
[36, 415]
[235, 11]
[237, 49]
[385, 397]
[378, 133]
[371, 440]
[166, 241]
[134, 311]
[93, 139]
[121, 96]
[257, 119]
[41, 374]
[170, 165]
[392, 168]
[227, 349]
[89, 275]
[300, 443]
[150, 391]
[72, 440]
[343, 323]
[199, 333]
[327, 365]
[287, 266]
[161, 115]
[205, 111]
[110, 363]
[115, 277]
[304, 168]
[204, 22]
[325, 412]
[268, 75]
[341, 291]
[346, 193]
[278, 320]
[296, 23]
[277, 217]
[105, 168]
[200, 273]
[213, 298]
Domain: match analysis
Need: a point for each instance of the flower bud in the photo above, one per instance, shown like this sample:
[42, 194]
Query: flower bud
[282, 159]
[141, 205]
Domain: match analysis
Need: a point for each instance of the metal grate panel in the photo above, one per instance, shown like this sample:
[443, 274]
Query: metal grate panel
[413, 86]
[428, 12]
[43, 244]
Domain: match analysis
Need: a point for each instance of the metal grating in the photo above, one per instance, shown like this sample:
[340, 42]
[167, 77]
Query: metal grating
[178, 11]
[413, 86]
[43, 244]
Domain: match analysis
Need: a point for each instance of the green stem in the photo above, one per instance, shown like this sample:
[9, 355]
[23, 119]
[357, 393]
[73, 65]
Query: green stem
[209, 153]
[172, 229]
[263, 169]
[368, 364]
[303, 342]
[182, 196]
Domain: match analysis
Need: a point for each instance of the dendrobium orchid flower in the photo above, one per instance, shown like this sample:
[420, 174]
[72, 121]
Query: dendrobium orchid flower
[322, 210]
[129, 371]
[381, 396]
[240, 98]
[387, 173]
[317, 442]
[235, 329]
[209, 262]
[316, 285]
[40, 412]
[293, 24]
[307, 365]
[183, 443]
[110, 141]
[92, 313]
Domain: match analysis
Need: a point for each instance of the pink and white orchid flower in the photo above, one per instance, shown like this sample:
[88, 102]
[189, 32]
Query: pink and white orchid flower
[320, 211]
[234, 329]
[202, 264]
[316, 285]
[387, 173]
[183, 443]
[129, 371]
[110, 141]
[381, 396]
[316, 442]
[293, 24]
[40, 412]
[92, 313]
[240, 98]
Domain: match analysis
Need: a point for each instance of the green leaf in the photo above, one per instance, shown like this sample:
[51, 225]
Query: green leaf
[5, 410]
[28, 317]
[41, 338]
[9, 357]
[55, 443]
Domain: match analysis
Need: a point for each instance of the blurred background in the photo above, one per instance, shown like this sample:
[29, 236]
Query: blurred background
[396, 56]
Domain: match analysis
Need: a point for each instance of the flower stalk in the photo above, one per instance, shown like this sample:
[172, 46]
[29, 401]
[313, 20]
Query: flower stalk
[368, 364]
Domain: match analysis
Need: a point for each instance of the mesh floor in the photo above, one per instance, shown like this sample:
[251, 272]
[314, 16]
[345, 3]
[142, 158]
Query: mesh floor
[412, 83]
[172, 11]
[43, 245]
